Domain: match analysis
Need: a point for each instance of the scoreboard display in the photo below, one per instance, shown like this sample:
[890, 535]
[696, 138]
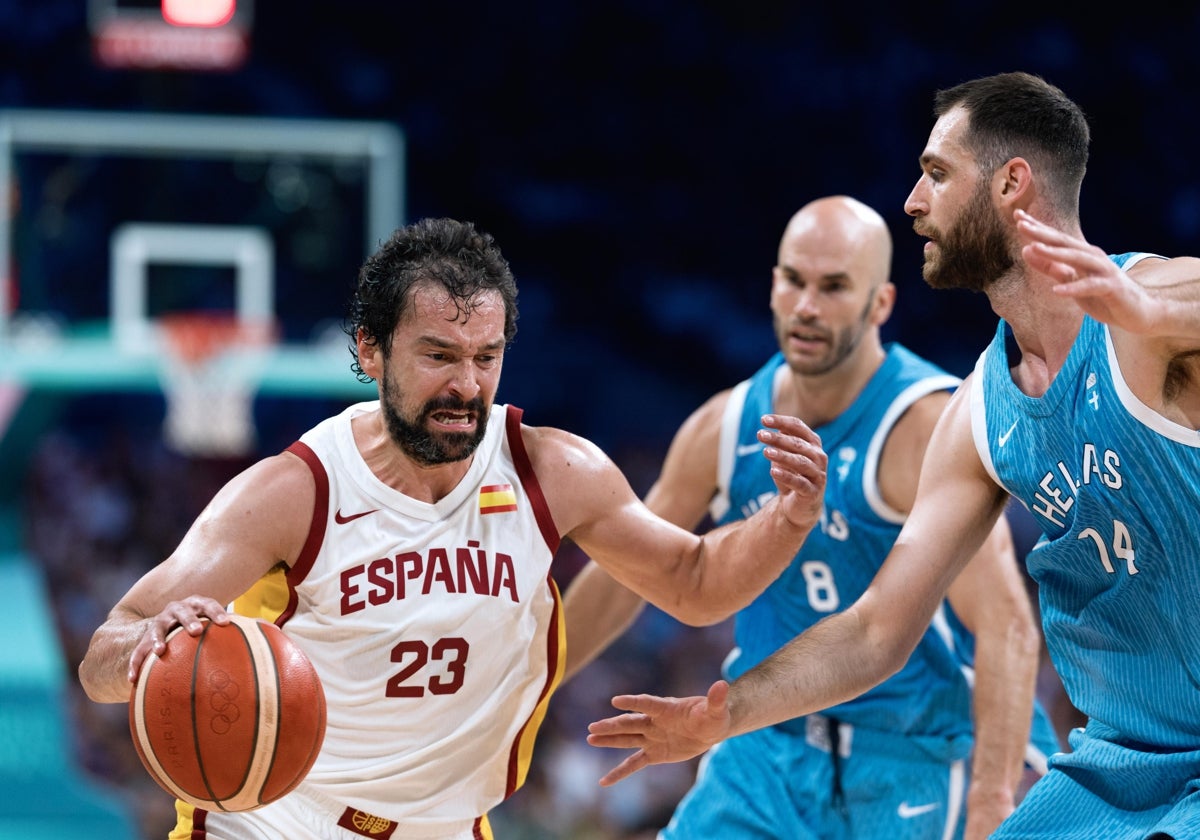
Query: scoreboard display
[170, 34]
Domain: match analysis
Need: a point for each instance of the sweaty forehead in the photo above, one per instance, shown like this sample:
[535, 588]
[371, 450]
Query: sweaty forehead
[431, 302]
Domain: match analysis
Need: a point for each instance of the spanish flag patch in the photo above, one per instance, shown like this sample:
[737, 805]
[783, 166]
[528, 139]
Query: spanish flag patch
[497, 498]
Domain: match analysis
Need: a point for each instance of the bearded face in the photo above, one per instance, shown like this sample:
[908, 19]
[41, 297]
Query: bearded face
[411, 429]
[974, 252]
[837, 342]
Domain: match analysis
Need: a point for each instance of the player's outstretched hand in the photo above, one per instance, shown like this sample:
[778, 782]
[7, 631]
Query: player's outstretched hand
[662, 729]
[798, 465]
[1085, 273]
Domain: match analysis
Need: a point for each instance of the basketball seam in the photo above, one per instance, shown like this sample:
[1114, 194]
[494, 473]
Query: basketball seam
[267, 691]
[196, 663]
[145, 742]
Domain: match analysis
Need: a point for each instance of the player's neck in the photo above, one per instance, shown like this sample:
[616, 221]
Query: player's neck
[1044, 327]
[422, 482]
[398, 470]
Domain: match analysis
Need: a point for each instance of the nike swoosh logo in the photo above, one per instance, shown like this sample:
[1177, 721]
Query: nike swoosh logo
[749, 449]
[342, 520]
[907, 811]
[1003, 439]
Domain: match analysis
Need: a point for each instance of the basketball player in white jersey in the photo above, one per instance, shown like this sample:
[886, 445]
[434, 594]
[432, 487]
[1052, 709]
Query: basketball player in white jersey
[405, 545]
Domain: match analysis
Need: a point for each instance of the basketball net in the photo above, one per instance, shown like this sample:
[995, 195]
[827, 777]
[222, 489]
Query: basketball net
[210, 368]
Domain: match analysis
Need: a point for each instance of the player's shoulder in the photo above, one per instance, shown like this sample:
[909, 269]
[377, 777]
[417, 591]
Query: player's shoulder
[915, 426]
[1155, 270]
[908, 364]
[929, 407]
[554, 449]
[575, 473]
[708, 415]
[290, 473]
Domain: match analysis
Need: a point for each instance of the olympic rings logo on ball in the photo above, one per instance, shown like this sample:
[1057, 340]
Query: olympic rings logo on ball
[223, 691]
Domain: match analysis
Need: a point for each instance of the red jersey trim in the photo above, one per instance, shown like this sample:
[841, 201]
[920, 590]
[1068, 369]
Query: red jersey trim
[316, 528]
[521, 754]
[541, 511]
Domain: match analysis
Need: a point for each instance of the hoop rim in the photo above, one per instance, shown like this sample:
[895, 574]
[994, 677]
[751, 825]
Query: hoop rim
[196, 337]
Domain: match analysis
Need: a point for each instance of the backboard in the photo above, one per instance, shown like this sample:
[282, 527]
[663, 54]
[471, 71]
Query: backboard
[113, 219]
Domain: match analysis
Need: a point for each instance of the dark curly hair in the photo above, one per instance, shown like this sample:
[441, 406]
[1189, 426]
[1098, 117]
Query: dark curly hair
[452, 254]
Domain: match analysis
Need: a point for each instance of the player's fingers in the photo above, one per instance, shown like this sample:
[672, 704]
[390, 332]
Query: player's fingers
[622, 741]
[1067, 262]
[793, 426]
[1084, 287]
[625, 769]
[188, 613]
[796, 471]
[137, 657]
[794, 453]
[802, 475]
[647, 704]
[619, 724]
[718, 696]
[791, 435]
[784, 444]
[1036, 229]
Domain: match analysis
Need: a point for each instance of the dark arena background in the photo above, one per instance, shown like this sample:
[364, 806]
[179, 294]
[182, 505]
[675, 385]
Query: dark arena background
[636, 161]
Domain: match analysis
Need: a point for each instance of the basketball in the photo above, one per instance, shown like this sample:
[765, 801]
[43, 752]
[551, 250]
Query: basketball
[229, 720]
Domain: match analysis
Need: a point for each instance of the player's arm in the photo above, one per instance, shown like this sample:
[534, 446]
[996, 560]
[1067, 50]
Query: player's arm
[598, 608]
[698, 580]
[990, 598]
[847, 653]
[257, 520]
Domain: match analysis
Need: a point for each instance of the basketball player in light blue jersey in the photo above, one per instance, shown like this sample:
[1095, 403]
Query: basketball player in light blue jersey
[893, 762]
[1085, 407]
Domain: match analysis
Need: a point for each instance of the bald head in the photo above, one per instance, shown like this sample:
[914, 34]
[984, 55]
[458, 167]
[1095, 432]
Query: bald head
[840, 234]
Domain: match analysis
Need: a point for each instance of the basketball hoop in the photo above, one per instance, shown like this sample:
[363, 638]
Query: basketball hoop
[210, 367]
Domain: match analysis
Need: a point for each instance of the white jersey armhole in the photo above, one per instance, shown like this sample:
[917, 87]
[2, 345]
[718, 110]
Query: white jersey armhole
[903, 402]
[1137, 409]
[731, 421]
[979, 419]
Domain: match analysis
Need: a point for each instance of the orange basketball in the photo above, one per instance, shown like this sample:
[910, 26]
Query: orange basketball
[229, 720]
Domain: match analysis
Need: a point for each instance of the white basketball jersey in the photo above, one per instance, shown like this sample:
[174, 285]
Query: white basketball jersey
[436, 628]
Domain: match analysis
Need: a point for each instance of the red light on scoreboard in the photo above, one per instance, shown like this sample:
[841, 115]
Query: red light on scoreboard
[198, 12]
[170, 34]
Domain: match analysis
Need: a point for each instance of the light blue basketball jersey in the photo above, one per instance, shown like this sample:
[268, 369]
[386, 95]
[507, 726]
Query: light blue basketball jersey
[897, 767]
[841, 556]
[1115, 488]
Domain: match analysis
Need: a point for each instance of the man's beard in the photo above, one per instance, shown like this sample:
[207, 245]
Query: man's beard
[432, 448]
[841, 344]
[974, 253]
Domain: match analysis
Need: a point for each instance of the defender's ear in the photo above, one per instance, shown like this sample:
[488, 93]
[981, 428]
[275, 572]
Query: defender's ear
[1013, 186]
